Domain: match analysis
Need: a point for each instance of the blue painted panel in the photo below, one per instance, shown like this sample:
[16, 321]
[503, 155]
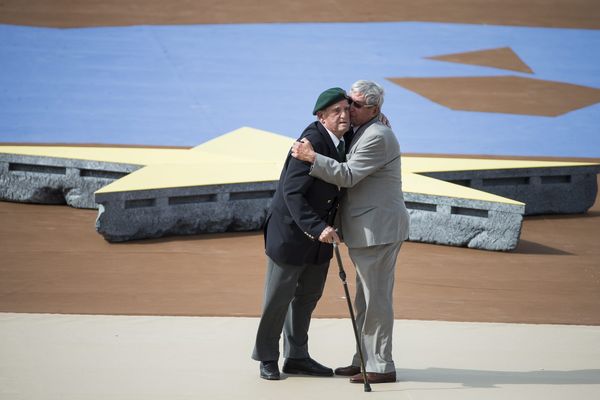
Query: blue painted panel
[183, 85]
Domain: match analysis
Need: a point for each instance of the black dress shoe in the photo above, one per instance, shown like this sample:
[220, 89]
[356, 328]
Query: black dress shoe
[269, 370]
[347, 371]
[305, 366]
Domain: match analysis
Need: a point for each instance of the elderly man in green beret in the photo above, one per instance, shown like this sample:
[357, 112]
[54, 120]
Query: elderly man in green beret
[298, 245]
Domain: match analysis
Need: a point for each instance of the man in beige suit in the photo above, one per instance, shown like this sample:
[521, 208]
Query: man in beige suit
[373, 221]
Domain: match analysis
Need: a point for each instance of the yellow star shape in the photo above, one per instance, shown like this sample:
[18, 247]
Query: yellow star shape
[249, 155]
[253, 155]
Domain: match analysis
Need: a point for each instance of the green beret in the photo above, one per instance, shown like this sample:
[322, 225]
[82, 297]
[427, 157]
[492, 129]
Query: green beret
[329, 97]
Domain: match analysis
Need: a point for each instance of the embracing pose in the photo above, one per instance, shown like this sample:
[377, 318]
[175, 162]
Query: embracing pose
[373, 221]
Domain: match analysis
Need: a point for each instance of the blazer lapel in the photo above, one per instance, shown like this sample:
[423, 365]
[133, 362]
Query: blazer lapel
[357, 135]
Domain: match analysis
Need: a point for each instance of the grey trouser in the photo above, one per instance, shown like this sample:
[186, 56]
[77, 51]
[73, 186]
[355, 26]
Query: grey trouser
[375, 271]
[291, 295]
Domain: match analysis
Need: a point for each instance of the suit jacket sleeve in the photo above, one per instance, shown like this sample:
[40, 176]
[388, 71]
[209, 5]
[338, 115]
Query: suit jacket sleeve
[296, 184]
[368, 158]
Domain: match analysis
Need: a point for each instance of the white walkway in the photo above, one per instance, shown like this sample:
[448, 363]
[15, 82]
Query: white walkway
[44, 356]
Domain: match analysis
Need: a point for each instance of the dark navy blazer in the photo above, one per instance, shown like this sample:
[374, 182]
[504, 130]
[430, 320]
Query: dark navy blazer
[302, 207]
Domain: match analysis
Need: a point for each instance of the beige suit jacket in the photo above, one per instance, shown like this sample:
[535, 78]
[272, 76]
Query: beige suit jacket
[372, 212]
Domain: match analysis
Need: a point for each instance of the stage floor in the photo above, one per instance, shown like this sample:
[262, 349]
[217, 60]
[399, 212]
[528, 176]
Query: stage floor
[74, 357]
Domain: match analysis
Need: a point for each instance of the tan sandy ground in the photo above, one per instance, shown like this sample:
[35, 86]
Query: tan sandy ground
[52, 261]
[70, 13]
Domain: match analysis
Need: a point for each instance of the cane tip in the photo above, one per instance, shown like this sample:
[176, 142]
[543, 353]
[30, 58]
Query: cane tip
[367, 388]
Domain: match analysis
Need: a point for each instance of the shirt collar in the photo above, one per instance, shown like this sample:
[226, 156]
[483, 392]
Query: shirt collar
[335, 139]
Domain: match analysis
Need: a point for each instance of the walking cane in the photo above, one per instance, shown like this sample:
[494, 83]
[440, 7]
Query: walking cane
[343, 278]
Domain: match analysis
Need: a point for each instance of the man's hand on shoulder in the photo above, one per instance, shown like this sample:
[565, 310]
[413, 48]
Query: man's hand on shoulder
[304, 151]
[384, 120]
[329, 235]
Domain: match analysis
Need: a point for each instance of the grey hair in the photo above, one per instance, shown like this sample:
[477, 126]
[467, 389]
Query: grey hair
[372, 91]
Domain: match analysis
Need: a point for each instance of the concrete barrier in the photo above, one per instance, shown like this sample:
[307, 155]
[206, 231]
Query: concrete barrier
[51, 180]
[544, 190]
[212, 188]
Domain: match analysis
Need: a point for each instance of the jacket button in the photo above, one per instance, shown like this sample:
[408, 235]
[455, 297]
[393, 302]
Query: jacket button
[329, 201]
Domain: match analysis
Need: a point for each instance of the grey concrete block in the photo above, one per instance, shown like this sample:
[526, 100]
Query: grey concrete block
[51, 180]
[548, 190]
[143, 214]
[183, 211]
[462, 222]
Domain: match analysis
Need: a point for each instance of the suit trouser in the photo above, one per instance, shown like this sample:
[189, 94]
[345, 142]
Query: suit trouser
[291, 295]
[375, 271]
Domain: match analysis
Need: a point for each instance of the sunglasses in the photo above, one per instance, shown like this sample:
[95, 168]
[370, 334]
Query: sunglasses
[358, 105]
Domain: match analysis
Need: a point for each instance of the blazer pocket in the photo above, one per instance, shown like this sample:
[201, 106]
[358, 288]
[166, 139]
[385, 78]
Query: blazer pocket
[356, 212]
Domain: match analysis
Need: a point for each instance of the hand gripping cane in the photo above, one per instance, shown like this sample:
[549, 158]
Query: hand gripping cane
[358, 346]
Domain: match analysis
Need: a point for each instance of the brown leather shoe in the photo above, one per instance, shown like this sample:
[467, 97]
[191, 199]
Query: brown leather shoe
[375, 377]
[347, 371]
